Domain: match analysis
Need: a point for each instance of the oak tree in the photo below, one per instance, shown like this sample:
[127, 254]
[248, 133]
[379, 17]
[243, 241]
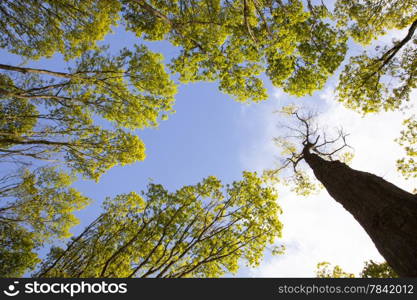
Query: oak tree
[386, 212]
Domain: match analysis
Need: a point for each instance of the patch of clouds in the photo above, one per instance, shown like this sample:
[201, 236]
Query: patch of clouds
[260, 122]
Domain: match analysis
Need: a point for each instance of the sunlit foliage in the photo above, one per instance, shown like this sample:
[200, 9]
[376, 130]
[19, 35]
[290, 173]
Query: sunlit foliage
[372, 82]
[51, 115]
[201, 230]
[34, 208]
[325, 270]
[38, 29]
[233, 42]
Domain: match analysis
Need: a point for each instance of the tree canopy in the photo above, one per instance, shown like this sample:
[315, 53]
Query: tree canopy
[233, 42]
[201, 230]
[36, 29]
[51, 115]
[36, 207]
[372, 82]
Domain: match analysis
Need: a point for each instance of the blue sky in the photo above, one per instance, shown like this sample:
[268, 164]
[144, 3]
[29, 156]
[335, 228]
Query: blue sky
[210, 134]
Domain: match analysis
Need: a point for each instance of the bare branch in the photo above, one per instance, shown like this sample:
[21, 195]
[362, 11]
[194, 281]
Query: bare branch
[305, 140]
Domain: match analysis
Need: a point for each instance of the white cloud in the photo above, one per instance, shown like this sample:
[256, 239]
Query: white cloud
[317, 228]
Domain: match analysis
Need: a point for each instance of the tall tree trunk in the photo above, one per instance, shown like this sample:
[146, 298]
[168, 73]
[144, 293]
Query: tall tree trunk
[387, 213]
